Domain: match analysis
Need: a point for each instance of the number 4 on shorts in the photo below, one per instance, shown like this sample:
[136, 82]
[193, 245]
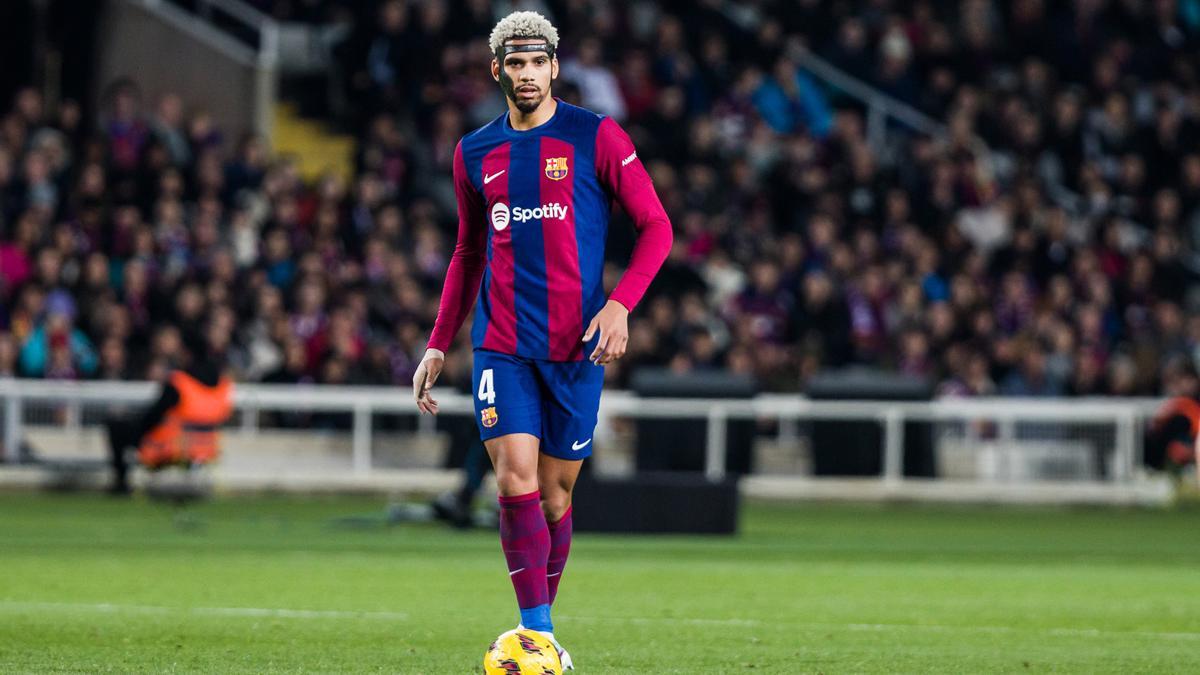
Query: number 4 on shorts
[487, 387]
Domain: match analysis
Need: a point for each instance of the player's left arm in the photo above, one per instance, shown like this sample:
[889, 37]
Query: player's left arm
[622, 174]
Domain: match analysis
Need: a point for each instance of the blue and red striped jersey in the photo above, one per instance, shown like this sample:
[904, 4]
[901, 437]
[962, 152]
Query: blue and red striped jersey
[533, 220]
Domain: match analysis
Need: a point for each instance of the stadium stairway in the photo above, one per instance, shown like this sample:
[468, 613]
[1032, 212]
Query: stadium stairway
[317, 149]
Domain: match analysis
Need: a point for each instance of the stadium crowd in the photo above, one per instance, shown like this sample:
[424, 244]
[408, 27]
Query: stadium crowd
[1045, 245]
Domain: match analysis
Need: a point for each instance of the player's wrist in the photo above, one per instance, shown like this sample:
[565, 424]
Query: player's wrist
[432, 353]
[617, 304]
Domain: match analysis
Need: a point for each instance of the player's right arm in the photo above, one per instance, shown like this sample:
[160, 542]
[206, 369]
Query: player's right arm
[462, 283]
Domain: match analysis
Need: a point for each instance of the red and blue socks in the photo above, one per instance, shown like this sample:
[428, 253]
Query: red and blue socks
[525, 538]
[560, 548]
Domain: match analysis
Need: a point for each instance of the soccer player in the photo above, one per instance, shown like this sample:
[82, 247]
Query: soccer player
[534, 188]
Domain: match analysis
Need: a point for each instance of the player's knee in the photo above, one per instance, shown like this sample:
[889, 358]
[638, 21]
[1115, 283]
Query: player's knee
[516, 482]
[555, 504]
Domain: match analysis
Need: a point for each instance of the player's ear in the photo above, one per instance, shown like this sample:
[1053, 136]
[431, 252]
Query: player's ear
[495, 70]
[554, 68]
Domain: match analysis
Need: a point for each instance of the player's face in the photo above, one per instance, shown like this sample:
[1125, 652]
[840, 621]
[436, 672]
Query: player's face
[525, 77]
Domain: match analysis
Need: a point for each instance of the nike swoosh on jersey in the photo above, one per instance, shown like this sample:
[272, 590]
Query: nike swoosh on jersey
[516, 571]
[579, 446]
[488, 179]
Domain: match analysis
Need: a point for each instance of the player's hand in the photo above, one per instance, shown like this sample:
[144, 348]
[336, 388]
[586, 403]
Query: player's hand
[613, 323]
[427, 373]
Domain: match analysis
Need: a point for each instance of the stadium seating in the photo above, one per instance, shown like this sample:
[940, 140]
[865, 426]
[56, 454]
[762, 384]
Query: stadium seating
[1044, 244]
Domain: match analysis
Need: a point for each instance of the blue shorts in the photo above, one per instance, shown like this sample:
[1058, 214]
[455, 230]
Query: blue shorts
[556, 401]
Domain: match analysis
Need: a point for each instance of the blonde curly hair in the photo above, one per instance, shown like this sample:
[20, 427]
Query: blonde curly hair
[522, 25]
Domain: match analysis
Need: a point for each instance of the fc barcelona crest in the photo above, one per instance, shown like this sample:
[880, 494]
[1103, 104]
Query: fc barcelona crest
[556, 168]
[488, 417]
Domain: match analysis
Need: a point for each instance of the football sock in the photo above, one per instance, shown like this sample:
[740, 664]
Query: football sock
[560, 548]
[525, 539]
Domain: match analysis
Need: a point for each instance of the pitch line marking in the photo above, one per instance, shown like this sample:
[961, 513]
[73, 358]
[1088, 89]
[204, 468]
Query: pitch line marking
[268, 612]
[283, 613]
[881, 627]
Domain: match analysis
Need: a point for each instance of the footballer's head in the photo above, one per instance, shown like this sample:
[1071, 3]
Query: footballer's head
[523, 44]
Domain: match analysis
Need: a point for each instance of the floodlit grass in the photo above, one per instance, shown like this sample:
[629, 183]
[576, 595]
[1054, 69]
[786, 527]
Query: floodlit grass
[273, 584]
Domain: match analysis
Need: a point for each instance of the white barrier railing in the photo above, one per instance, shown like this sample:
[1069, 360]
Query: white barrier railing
[1003, 416]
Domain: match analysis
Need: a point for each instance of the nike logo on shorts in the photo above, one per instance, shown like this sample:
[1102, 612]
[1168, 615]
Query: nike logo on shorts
[488, 179]
[579, 446]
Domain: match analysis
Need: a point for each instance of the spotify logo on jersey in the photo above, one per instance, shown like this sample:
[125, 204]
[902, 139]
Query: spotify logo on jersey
[500, 216]
[552, 211]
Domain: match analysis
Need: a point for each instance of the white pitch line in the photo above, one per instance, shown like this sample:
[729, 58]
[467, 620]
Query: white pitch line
[881, 627]
[270, 612]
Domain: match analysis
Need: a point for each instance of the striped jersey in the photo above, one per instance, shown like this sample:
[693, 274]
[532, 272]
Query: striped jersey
[533, 212]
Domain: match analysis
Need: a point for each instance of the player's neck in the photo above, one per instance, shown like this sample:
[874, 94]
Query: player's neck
[524, 122]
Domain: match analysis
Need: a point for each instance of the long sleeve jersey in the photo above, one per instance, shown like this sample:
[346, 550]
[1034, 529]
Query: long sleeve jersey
[533, 211]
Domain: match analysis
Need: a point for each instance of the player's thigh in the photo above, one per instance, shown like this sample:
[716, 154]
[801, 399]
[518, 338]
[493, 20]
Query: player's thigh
[515, 460]
[507, 397]
[570, 402]
[508, 413]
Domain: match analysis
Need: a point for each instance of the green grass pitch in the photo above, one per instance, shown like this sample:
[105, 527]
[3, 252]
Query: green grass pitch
[269, 585]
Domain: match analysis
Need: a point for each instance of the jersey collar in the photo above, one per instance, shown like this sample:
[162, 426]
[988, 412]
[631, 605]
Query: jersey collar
[516, 133]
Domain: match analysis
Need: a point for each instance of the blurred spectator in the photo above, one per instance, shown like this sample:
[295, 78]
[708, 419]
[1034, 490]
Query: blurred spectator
[8, 356]
[790, 100]
[597, 83]
[56, 348]
[1047, 244]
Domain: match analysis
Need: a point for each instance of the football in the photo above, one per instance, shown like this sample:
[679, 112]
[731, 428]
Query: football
[521, 651]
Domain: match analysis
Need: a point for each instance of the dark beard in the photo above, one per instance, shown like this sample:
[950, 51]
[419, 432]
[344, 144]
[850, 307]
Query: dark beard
[526, 106]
